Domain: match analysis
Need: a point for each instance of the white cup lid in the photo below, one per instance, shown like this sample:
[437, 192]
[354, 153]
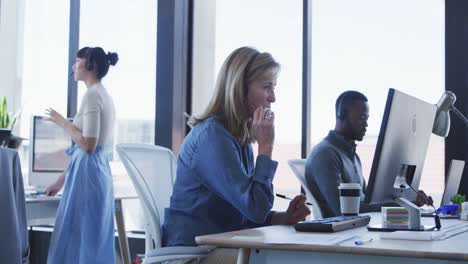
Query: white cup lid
[349, 186]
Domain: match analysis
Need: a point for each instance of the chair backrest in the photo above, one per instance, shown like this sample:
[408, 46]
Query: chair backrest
[298, 167]
[14, 243]
[152, 170]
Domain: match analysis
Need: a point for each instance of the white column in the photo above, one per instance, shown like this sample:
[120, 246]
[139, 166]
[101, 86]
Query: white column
[11, 43]
[203, 73]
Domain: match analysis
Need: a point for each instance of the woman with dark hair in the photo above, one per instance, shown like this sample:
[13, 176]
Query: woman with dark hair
[219, 186]
[84, 225]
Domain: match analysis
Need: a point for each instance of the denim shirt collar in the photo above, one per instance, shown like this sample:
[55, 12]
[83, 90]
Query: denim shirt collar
[340, 142]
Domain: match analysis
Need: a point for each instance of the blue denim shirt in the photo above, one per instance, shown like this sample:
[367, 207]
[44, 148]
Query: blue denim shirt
[218, 188]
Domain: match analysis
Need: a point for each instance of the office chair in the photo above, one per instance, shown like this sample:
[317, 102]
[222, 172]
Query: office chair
[298, 167]
[14, 243]
[152, 170]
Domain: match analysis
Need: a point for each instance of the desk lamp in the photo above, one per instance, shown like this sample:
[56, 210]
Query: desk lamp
[442, 119]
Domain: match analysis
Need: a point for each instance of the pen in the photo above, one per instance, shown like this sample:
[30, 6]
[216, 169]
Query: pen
[339, 242]
[288, 198]
[359, 242]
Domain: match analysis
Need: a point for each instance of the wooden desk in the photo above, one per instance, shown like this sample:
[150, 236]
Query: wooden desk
[282, 244]
[42, 210]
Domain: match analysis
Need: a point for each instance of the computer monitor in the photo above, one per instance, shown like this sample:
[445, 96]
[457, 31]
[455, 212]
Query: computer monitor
[47, 157]
[452, 182]
[401, 150]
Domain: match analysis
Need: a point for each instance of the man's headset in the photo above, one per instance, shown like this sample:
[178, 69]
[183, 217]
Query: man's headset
[341, 111]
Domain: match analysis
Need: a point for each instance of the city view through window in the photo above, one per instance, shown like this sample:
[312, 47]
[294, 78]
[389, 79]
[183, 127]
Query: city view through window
[356, 45]
[362, 45]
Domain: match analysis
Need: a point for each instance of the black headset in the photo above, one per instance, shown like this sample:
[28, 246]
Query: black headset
[246, 70]
[89, 60]
[341, 111]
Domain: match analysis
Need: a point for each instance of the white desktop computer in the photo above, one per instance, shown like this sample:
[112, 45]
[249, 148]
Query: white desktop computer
[400, 153]
[47, 157]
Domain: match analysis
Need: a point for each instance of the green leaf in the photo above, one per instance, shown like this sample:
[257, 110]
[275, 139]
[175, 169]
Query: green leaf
[457, 199]
[2, 110]
[7, 120]
[3, 105]
[15, 118]
[2, 120]
[13, 122]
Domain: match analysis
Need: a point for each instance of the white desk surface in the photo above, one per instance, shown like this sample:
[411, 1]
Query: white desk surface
[41, 209]
[285, 238]
[122, 190]
[44, 198]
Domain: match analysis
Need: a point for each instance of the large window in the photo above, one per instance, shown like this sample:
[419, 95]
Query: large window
[270, 26]
[129, 28]
[370, 46]
[44, 62]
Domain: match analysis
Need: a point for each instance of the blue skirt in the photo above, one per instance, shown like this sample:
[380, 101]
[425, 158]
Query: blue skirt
[84, 225]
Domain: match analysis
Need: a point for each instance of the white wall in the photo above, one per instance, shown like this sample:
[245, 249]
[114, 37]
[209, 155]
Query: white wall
[11, 29]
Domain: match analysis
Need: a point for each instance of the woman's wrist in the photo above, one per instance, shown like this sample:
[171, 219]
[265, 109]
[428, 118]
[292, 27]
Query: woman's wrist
[63, 123]
[265, 149]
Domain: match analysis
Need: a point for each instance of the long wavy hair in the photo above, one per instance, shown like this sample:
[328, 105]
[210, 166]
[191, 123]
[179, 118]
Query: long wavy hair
[229, 102]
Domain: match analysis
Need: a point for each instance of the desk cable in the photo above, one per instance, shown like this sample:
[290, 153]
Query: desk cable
[438, 225]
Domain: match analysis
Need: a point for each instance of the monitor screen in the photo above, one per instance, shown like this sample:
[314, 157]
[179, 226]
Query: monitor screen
[401, 148]
[47, 154]
[452, 185]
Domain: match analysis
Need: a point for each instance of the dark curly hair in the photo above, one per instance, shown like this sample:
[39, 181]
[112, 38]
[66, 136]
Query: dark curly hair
[98, 60]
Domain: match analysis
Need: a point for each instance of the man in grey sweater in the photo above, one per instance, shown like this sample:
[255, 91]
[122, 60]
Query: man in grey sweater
[334, 160]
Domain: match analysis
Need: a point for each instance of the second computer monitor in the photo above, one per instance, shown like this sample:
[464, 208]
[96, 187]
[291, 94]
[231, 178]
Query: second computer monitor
[401, 148]
[47, 159]
[452, 183]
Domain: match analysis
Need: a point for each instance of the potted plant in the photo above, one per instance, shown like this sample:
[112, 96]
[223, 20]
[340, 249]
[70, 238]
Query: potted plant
[7, 123]
[458, 199]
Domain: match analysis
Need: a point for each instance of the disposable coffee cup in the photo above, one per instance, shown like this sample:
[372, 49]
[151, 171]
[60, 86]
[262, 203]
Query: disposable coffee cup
[350, 197]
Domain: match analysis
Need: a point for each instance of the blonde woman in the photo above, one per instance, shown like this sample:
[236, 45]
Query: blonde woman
[219, 187]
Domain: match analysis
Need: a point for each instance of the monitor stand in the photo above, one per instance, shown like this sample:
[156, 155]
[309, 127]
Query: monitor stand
[414, 219]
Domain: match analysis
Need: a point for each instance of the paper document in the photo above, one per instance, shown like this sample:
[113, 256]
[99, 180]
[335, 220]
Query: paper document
[444, 233]
[301, 239]
[412, 235]
[310, 239]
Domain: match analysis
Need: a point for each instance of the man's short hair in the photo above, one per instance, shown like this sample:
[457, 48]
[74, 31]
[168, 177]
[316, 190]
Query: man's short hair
[345, 100]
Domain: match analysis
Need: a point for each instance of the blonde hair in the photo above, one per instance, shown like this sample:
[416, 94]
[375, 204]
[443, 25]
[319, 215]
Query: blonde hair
[228, 103]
